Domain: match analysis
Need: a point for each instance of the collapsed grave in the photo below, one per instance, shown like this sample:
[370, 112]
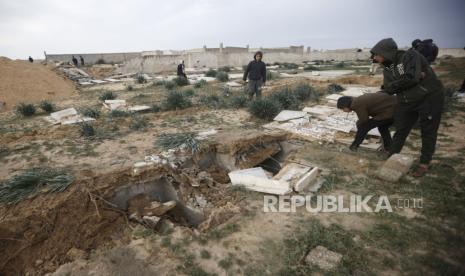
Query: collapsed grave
[326, 122]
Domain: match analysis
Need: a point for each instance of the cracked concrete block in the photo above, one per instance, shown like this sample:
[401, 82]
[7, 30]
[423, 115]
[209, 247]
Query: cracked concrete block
[287, 115]
[308, 182]
[255, 179]
[395, 167]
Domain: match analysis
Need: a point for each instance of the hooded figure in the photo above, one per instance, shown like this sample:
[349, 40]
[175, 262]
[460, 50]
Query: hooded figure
[256, 72]
[420, 95]
[181, 70]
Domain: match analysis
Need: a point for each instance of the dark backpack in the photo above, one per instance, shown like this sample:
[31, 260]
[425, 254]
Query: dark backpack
[428, 49]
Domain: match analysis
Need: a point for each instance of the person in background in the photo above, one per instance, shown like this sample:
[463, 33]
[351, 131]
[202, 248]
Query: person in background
[31, 60]
[427, 48]
[256, 73]
[75, 61]
[82, 60]
[373, 110]
[181, 70]
[420, 96]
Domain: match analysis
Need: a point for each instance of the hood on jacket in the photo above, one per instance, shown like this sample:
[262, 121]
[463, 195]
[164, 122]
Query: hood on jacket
[385, 47]
[257, 53]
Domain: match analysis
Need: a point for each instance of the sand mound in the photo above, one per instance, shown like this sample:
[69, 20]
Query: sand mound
[21, 81]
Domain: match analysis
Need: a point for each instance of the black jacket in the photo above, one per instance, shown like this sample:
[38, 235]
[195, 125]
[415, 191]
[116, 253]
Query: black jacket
[406, 73]
[255, 70]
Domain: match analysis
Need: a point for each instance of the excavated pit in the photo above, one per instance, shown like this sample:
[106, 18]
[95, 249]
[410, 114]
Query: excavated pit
[94, 210]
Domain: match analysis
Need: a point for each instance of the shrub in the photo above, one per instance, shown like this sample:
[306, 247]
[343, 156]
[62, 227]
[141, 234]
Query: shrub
[222, 76]
[90, 112]
[86, 130]
[47, 106]
[286, 99]
[141, 79]
[211, 73]
[189, 92]
[108, 95]
[212, 101]
[264, 108]
[25, 109]
[311, 68]
[304, 92]
[287, 65]
[340, 65]
[33, 181]
[181, 81]
[239, 101]
[155, 108]
[186, 140]
[158, 83]
[138, 123]
[200, 84]
[176, 100]
[116, 113]
[130, 87]
[100, 61]
[334, 88]
[169, 85]
[225, 69]
[271, 76]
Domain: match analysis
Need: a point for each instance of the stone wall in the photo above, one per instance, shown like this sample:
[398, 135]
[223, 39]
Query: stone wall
[93, 58]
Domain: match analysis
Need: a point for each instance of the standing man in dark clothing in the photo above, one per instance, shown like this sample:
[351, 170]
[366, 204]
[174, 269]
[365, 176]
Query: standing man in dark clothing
[75, 61]
[420, 95]
[373, 110]
[256, 72]
[82, 60]
[427, 48]
[181, 70]
[30, 59]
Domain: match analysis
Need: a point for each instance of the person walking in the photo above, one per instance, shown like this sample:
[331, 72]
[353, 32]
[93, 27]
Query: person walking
[256, 73]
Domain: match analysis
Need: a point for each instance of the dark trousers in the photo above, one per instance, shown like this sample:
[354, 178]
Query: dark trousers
[383, 127]
[429, 113]
[255, 88]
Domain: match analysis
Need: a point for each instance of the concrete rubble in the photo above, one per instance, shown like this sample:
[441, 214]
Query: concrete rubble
[395, 167]
[66, 117]
[325, 122]
[323, 258]
[121, 105]
[292, 177]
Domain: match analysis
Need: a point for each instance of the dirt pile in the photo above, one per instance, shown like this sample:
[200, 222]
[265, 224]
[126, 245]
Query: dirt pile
[21, 81]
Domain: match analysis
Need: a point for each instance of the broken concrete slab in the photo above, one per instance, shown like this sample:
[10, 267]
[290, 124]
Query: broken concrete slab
[308, 182]
[255, 179]
[323, 258]
[137, 108]
[233, 84]
[287, 115]
[115, 104]
[156, 208]
[395, 167]
[333, 97]
[320, 110]
[64, 114]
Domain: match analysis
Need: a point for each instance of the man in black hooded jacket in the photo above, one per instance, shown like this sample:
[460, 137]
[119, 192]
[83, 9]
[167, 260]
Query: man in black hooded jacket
[256, 71]
[420, 95]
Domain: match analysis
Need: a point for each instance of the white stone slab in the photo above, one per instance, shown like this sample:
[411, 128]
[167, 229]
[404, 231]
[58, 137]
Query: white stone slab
[320, 110]
[77, 119]
[233, 84]
[255, 179]
[308, 182]
[137, 108]
[333, 97]
[353, 92]
[63, 114]
[98, 81]
[286, 115]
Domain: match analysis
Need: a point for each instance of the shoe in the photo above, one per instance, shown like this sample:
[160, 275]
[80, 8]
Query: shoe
[353, 148]
[420, 170]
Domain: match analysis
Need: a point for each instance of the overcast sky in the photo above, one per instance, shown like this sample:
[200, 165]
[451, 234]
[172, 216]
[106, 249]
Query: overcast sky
[29, 27]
